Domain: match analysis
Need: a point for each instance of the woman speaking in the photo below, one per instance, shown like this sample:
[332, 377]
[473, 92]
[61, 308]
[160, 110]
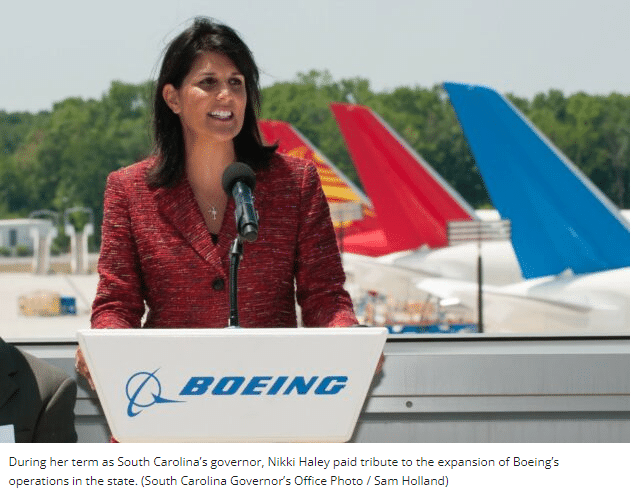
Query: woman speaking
[168, 223]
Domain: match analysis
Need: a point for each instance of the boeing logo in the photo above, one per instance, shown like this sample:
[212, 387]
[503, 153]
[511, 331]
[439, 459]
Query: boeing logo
[143, 388]
[264, 385]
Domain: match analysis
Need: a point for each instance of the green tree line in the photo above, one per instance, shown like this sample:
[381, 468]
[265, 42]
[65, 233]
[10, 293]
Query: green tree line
[60, 158]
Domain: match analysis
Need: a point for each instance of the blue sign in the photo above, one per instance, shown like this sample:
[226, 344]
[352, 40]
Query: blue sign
[143, 388]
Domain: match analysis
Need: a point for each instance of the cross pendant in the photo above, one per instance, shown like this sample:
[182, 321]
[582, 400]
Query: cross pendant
[213, 212]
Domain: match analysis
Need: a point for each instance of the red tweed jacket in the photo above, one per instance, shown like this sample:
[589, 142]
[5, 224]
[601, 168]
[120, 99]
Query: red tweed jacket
[156, 249]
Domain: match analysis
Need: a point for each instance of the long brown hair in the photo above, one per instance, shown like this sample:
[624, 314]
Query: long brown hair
[204, 35]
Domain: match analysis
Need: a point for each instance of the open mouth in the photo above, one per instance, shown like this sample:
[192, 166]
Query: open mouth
[221, 115]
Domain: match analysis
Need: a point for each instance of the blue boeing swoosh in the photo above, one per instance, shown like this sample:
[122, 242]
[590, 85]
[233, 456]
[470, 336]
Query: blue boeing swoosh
[157, 399]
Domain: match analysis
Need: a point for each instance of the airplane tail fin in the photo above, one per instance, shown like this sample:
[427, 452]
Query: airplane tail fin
[413, 201]
[363, 235]
[559, 219]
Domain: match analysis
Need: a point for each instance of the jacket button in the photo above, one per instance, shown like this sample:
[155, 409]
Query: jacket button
[218, 284]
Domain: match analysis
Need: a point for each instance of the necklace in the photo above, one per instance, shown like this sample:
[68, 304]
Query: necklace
[212, 211]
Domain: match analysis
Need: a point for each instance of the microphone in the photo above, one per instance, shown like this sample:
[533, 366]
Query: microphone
[238, 180]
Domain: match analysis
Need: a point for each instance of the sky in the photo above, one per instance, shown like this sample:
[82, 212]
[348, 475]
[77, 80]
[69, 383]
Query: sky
[52, 50]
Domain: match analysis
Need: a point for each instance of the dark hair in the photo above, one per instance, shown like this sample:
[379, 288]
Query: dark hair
[204, 35]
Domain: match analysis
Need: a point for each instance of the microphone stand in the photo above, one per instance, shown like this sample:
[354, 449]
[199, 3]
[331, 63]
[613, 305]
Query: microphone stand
[238, 180]
[235, 256]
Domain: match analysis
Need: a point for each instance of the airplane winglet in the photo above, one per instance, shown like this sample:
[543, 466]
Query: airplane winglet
[363, 235]
[559, 219]
[414, 203]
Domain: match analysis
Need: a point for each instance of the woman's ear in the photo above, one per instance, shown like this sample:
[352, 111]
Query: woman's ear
[171, 97]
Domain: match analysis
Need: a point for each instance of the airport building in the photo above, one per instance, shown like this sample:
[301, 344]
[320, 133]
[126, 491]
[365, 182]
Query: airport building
[22, 232]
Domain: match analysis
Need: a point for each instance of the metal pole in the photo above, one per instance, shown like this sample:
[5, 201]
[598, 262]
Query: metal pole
[480, 320]
[234, 263]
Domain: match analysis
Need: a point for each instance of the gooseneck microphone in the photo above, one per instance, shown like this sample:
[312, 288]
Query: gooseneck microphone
[238, 181]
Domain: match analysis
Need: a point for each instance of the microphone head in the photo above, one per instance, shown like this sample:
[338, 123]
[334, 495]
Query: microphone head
[238, 171]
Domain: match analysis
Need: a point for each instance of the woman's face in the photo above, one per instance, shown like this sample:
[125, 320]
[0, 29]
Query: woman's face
[211, 100]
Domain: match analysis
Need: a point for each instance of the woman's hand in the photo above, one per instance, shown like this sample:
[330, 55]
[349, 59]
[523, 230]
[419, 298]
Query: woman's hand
[83, 369]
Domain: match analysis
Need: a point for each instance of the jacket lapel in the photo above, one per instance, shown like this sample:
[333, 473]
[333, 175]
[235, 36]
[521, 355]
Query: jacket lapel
[7, 389]
[178, 205]
[8, 368]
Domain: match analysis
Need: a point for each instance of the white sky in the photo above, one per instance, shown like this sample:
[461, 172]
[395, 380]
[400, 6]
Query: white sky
[52, 50]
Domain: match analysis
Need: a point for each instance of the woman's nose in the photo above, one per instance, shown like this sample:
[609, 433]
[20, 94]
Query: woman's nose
[223, 92]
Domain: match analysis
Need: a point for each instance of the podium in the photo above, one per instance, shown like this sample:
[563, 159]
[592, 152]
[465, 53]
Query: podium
[232, 385]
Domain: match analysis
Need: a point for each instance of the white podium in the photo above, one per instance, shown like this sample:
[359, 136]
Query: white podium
[232, 385]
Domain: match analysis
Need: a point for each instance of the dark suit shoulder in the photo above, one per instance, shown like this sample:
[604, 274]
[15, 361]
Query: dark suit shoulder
[57, 392]
[41, 409]
[47, 376]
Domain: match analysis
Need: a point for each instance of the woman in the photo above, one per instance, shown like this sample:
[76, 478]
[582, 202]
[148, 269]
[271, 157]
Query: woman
[168, 224]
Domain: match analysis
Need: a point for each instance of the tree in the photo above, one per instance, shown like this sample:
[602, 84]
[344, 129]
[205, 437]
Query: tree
[61, 158]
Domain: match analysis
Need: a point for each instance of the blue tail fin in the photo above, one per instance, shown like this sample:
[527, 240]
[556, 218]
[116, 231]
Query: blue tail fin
[559, 219]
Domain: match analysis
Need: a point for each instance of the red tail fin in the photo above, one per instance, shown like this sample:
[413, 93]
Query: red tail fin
[414, 203]
[362, 236]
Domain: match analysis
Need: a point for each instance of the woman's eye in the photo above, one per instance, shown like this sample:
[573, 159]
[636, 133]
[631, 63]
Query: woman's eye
[208, 82]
